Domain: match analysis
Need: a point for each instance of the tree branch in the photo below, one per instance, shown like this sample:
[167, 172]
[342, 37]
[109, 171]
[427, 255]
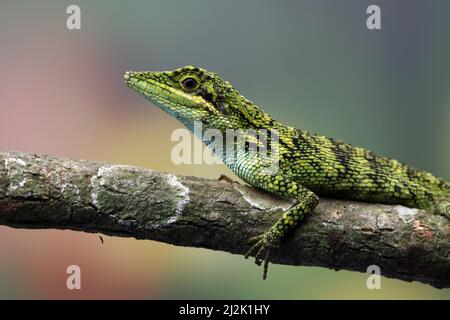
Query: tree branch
[44, 192]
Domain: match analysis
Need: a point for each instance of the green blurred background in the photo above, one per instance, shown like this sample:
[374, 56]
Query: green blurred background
[312, 64]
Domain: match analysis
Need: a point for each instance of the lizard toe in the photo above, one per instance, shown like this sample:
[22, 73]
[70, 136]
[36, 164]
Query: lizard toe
[264, 248]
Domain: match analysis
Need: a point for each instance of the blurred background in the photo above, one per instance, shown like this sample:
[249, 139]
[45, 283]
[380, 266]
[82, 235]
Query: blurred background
[311, 64]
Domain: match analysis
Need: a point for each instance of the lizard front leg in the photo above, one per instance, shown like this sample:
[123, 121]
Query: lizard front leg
[266, 243]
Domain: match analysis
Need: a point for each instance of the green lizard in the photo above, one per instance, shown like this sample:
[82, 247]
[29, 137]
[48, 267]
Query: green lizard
[309, 165]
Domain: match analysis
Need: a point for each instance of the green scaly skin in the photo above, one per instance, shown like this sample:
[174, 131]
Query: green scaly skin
[309, 164]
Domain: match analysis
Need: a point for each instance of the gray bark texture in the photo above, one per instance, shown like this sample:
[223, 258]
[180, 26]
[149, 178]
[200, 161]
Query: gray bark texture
[38, 191]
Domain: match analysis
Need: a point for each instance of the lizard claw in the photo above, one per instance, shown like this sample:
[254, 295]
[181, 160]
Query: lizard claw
[264, 248]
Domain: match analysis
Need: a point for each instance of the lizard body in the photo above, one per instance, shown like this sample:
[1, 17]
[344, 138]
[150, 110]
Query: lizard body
[309, 165]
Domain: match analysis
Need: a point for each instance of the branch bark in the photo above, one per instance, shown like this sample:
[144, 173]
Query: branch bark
[38, 191]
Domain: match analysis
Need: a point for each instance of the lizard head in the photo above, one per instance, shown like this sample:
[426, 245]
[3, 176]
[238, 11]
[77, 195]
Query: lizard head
[194, 94]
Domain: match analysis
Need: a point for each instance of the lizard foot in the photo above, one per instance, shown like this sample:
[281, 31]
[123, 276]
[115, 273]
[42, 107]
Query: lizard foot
[264, 247]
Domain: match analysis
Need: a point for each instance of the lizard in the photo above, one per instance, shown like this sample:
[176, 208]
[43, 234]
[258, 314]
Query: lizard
[309, 165]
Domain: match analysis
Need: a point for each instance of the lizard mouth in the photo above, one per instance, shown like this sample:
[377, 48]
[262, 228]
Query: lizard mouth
[147, 84]
[149, 88]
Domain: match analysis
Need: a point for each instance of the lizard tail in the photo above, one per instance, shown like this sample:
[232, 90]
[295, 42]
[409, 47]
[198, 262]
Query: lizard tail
[443, 208]
[442, 205]
[442, 202]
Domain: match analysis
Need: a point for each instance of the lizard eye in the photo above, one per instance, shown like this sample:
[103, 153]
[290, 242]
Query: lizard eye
[189, 83]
